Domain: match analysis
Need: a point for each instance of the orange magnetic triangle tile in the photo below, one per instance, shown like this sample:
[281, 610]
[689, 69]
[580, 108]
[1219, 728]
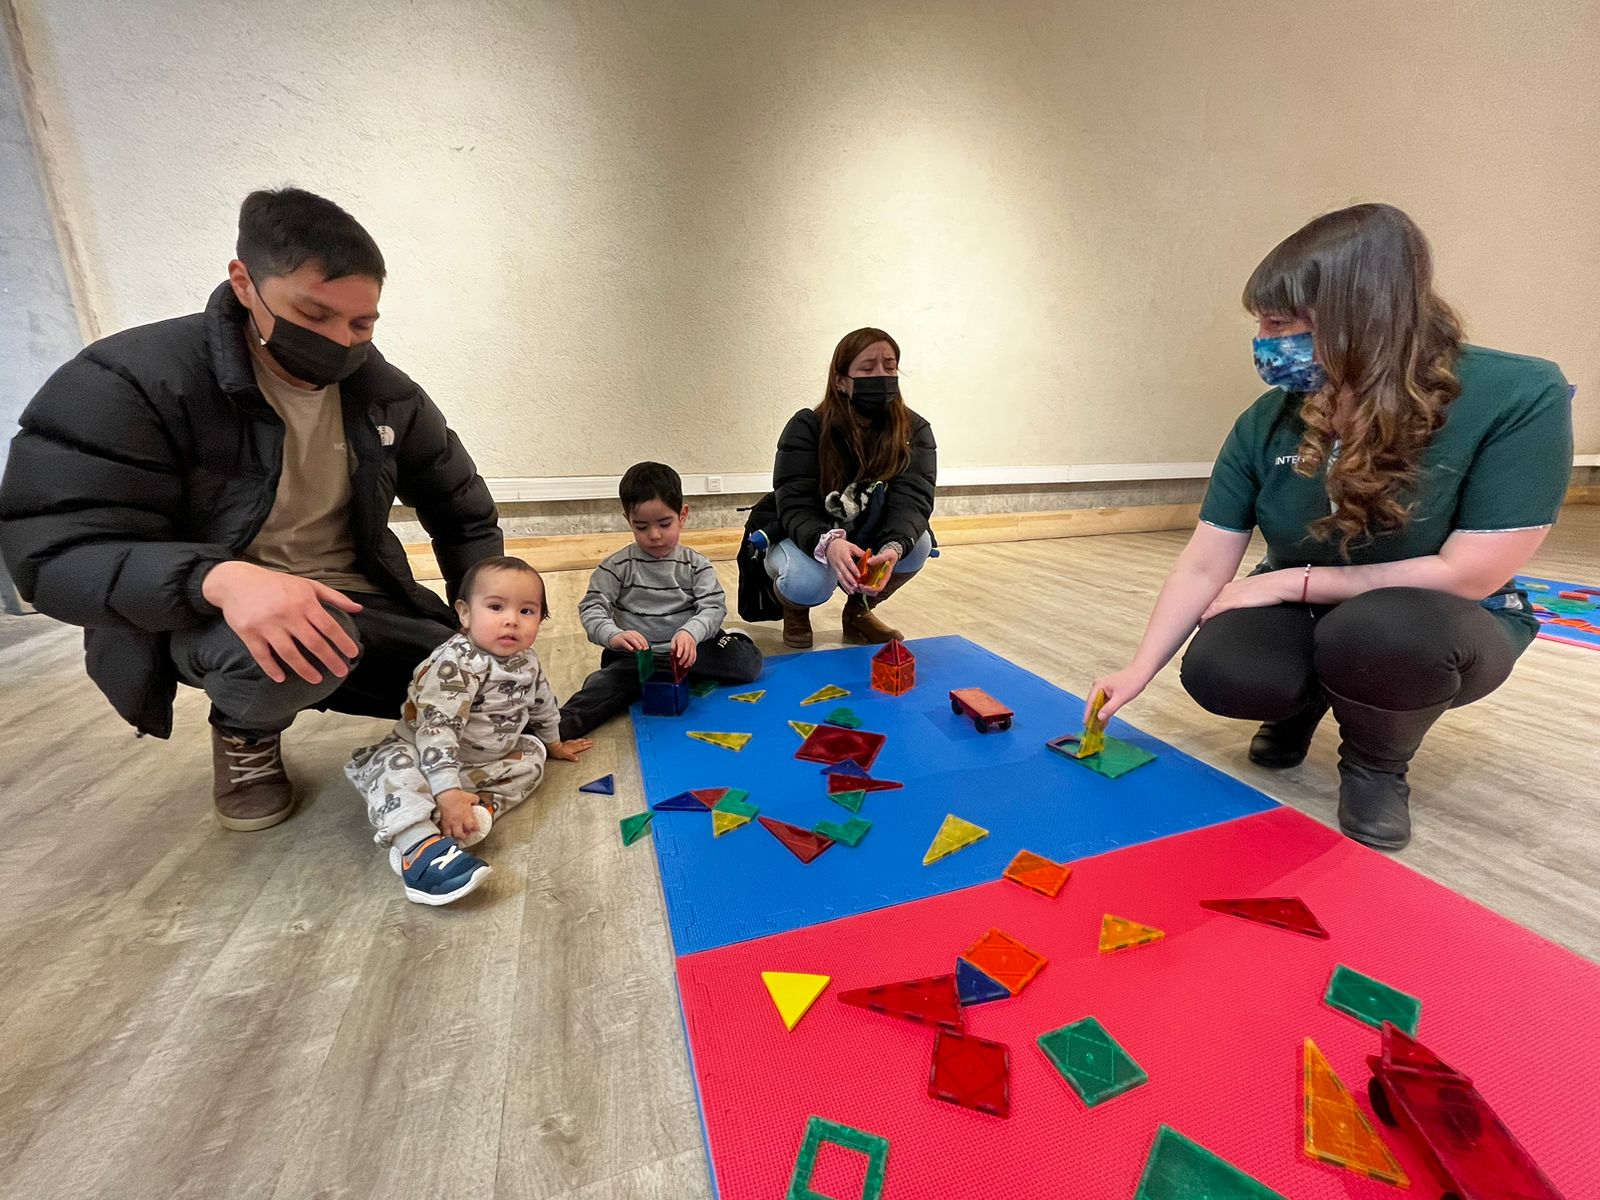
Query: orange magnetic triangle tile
[1337, 1131]
[1119, 933]
[1037, 873]
[1005, 960]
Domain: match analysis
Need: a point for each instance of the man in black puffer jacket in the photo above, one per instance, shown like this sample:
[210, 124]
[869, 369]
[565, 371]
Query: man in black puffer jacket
[209, 498]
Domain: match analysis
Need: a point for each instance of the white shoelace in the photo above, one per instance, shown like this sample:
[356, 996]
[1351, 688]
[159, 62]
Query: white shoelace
[252, 765]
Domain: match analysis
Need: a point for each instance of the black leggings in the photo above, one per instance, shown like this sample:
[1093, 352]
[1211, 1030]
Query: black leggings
[1394, 649]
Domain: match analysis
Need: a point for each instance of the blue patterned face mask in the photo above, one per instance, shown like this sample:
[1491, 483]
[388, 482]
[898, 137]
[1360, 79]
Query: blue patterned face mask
[1289, 362]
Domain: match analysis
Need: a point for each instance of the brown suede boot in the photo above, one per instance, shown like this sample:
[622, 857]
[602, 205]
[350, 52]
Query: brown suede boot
[796, 625]
[248, 783]
[860, 626]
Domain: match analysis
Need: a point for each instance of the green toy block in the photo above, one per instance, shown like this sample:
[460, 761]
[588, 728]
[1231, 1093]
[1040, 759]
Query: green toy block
[818, 1131]
[1180, 1169]
[1090, 1060]
[850, 833]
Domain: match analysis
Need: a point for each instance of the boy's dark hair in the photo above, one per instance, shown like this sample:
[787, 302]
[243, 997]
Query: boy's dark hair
[280, 231]
[501, 562]
[649, 481]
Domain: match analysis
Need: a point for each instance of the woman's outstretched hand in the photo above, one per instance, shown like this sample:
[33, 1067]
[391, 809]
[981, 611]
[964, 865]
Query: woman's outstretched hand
[1121, 687]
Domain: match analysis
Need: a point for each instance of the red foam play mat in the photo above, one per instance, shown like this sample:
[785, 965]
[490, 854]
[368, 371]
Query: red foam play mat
[1215, 1012]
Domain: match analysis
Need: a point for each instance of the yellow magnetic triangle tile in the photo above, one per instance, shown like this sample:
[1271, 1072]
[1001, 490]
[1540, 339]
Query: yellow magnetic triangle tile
[828, 693]
[748, 697]
[802, 728]
[722, 822]
[793, 992]
[1094, 730]
[1337, 1131]
[728, 741]
[955, 834]
[1118, 933]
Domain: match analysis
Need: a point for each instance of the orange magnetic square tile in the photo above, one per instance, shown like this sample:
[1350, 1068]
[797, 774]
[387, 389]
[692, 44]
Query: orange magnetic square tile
[1037, 873]
[1005, 960]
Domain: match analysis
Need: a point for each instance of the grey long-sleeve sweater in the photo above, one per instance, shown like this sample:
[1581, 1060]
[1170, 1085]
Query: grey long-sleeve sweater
[653, 596]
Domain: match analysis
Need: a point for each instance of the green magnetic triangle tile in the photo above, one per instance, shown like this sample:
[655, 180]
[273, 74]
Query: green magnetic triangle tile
[734, 802]
[850, 833]
[1180, 1169]
[1090, 1060]
[634, 827]
[1372, 1001]
[703, 687]
[851, 800]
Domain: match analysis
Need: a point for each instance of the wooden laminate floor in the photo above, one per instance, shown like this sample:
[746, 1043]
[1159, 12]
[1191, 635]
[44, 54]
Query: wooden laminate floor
[188, 1012]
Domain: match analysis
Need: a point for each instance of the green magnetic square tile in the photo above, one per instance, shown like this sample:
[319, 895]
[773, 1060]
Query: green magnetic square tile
[850, 833]
[1180, 1169]
[1371, 1001]
[818, 1131]
[1090, 1060]
[1117, 759]
[702, 687]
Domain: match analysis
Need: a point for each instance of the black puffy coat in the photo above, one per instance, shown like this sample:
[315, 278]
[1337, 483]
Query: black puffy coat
[797, 487]
[152, 456]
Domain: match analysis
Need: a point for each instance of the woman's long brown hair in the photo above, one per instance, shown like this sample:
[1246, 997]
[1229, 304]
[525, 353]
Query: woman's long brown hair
[1363, 278]
[882, 448]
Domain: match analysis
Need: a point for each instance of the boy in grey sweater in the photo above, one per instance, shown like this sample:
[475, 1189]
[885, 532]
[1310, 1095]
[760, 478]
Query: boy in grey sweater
[654, 595]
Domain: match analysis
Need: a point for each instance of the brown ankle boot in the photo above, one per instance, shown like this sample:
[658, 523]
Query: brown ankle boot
[796, 626]
[248, 783]
[860, 626]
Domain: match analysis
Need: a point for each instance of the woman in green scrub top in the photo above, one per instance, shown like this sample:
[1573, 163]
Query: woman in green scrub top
[1400, 479]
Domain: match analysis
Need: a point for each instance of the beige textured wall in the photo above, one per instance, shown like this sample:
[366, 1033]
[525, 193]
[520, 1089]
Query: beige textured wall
[620, 229]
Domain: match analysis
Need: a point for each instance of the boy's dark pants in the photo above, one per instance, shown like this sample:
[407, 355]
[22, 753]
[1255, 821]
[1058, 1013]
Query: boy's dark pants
[726, 658]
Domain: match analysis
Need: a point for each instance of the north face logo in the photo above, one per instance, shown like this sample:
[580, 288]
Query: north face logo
[1286, 460]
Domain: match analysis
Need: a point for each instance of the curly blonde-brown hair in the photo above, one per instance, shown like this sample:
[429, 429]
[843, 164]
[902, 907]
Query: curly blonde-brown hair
[1363, 278]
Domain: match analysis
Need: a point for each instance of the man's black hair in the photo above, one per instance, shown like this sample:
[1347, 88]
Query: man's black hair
[280, 231]
[499, 562]
[649, 481]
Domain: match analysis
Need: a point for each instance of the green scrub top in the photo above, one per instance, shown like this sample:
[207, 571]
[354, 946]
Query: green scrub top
[1501, 461]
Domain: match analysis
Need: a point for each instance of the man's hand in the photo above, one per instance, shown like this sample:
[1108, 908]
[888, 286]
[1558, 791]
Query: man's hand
[842, 557]
[684, 650]
[456, 818]
[629, 641]
[276, 614]
[569, 751]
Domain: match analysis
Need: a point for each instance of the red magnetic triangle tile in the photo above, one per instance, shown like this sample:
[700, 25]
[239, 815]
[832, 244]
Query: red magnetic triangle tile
[860, 783]
[1405, 1052]
[894, 654]
[1281, 912]
[931, 1001]
[833, 744]
[709, 796]
[803, 843]
[971, 1072]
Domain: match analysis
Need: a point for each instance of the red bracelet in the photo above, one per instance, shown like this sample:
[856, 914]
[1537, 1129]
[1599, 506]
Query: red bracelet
[1305, 586]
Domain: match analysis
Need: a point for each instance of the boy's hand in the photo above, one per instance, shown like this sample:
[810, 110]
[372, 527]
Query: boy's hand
[629, 640]
[569, 751]
[684, 648]
[456, 818]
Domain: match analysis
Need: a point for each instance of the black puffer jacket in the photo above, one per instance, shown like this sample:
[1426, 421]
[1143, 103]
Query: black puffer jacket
[797, 486]
[152, 456]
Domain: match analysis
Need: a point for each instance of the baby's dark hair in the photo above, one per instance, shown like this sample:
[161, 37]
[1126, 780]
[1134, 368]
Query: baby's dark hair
[501, 562]
[649, 481]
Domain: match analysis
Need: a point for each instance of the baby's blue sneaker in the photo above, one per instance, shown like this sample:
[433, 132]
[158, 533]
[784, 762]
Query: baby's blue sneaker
[437, 871]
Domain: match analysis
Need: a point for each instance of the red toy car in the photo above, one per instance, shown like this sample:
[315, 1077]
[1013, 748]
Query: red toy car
[1468, 1146]
[986, 712]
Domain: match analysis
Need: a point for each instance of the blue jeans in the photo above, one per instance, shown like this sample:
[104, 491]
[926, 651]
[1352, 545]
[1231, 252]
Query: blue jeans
[806, 583]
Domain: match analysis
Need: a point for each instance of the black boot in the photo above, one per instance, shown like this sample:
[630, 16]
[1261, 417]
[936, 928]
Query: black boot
[1283, 744]
[1375, 750]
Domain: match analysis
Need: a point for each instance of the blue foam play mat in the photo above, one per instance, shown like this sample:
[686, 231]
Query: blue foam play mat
[747, 884]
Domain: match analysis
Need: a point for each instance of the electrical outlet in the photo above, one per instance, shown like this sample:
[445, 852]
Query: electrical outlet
[713, 483]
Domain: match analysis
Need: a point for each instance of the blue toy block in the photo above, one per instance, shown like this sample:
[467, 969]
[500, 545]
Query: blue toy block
[663, 698]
